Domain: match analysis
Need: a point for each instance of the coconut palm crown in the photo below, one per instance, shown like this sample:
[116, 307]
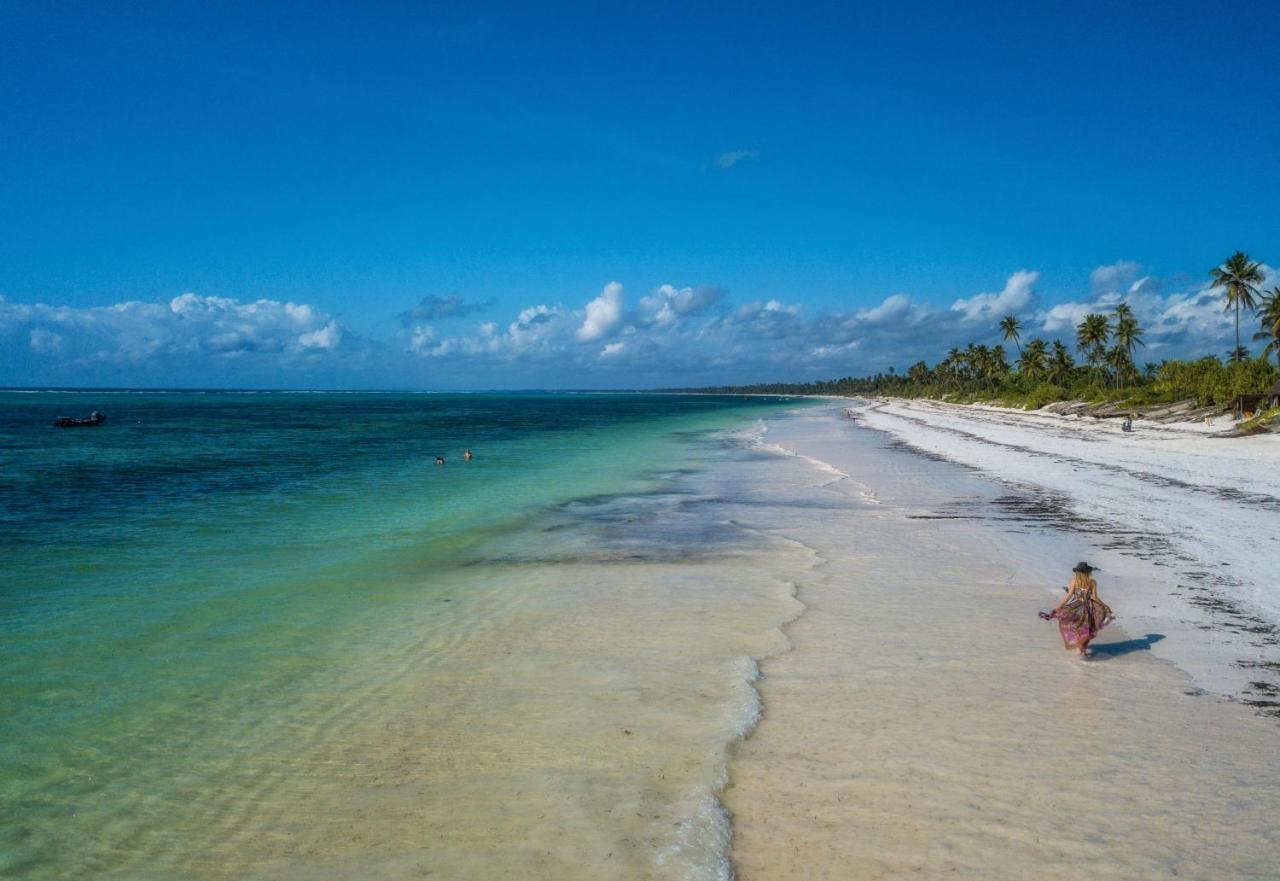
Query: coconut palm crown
[1060, 363]
[1128, 332]
[1009, 326]
[1034, 360]
[1092, 335]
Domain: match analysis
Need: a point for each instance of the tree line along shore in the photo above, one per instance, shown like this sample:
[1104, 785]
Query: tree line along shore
[1105, 379]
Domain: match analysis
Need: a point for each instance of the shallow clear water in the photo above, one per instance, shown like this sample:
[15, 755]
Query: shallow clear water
[264, 635]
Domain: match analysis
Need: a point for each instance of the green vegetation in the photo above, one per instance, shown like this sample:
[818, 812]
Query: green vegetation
[1046, 371]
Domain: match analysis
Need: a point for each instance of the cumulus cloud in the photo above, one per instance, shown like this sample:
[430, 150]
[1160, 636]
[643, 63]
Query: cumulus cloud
[604, 314]
[1109, 285]
[894, 308]
[44, 341]
[434, 308]
[668, 304]
[1014, 297]
[1114, 276]
[189, 332]
[728, 160]
[327, 337]
[692, 334]
[1065, 316]
[422, 338]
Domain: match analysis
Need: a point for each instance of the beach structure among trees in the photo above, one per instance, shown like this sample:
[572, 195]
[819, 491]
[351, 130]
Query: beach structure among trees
[1247, 405]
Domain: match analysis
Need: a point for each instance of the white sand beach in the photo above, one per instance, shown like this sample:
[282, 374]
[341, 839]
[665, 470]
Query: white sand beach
[1204, 510]
[926, 724]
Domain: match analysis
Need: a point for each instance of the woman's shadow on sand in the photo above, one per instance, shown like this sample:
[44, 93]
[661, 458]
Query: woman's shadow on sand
[1128, 646]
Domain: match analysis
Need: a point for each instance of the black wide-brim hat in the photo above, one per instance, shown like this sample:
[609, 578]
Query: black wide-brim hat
[1084, 567]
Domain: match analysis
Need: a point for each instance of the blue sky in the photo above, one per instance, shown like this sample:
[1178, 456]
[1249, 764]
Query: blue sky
[375, 195]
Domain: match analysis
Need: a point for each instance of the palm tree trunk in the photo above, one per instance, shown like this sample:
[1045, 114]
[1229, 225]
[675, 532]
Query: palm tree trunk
[1235, 356]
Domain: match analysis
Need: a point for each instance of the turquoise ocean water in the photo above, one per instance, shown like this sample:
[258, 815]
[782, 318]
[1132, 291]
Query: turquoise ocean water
[228, 618]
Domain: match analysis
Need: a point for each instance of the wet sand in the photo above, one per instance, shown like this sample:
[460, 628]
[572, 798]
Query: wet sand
[926, 724]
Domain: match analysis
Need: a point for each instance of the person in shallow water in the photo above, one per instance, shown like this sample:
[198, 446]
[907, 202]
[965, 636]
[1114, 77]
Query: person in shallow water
[439, 460]
[1082, 613]
[467, 455]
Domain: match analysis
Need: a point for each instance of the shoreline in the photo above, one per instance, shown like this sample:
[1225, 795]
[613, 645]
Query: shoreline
[924, 721]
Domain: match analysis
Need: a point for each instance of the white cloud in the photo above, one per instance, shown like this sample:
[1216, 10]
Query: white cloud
[612, 349]
[728, 160]
[1015, 297]
[894, 307]
[1113, 276]
[434, 308]
[327, 337]
[535, 329]
[1110, 285]
[668, 304]
[421, 338]
[190, 332]
[1065, 316]
[604, 314]
[44, 341]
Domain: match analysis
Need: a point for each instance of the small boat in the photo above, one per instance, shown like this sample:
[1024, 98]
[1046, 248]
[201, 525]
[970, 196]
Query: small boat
[94, 418]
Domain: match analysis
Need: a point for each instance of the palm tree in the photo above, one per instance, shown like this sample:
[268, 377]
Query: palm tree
[975, 357]
[1034, 357]
[1270, 314]
[1009, 326]
[978, 358]
[987, 364]
[1121, 364]
[1060, 364]
[919, 373]
[1092, 335]
[1238, 277]
[1128, 336]
[999, 361]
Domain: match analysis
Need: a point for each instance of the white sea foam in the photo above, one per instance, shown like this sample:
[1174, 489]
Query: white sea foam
[698, 845]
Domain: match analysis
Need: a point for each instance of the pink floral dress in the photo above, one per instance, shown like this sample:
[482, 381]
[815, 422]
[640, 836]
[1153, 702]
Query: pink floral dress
[1081, 616]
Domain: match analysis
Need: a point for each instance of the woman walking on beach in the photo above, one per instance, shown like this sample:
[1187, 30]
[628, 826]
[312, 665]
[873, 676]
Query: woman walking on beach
[1082, 613]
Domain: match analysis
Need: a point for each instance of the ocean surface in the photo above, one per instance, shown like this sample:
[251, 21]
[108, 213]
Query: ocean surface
[265, 636]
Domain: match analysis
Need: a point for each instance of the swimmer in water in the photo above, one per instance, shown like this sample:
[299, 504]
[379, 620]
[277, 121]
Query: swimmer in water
[467, 455]
[439, 460]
